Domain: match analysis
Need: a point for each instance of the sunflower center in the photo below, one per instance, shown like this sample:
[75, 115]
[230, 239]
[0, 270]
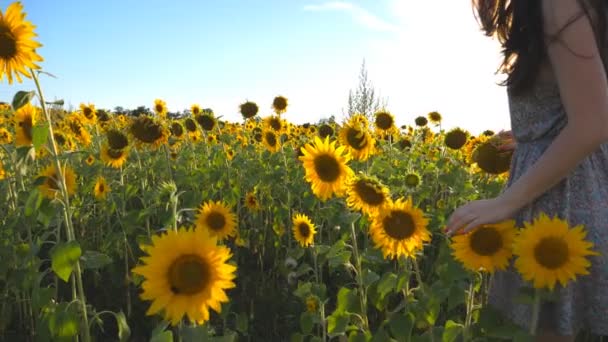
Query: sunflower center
[8, 44]
[117, 140]
[275, 123]
[369, 193]
[355, 138]
[216, 221]
[412, 180]
[304, 229]
[384, 121]
[271, 139]
[115, 154]
[190, 125]
[177, 129]
[159, 108]
[327, 168]
[325, 131]
[206, 121]
[51, 182]
[189, 274]
[485, 241]
[26, 126]
[399, 225]
[88, 112]
[551, 252]
[102, 188]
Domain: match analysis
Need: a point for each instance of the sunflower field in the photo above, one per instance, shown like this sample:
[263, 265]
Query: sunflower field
[193, 228]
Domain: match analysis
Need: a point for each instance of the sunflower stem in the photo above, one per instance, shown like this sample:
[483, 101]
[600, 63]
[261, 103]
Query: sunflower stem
[86, 334]
[362, 295]
[535, 312]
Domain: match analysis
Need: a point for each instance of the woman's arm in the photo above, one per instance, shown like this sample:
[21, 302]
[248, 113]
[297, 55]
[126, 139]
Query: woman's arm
[583, 86]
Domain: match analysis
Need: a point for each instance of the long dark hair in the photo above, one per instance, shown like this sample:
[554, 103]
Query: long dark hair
[518, 25]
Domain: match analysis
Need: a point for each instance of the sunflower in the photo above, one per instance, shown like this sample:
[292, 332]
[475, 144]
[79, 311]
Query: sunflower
[117, 140]
[456, 138]
[549, 251]
[366, 194]
[5, 136]
[249, 109]
[212, 139]
[421, 121]
[2, 172]
[229, 152]
[63, 141]
[112, 157]
[148, 131]
[190, 125]
[74, 124]
[412, 180]
[216, 218]
[275, 123]
[325, 167]
[488, 247]
[195, 109]
[251, 201]
[356, 137]
[25, 119]
[271, 141]
[101, 188]
[90, 160]
[17, 47]
[303, 230]
[177, 130]
[399, 229]
[50, 187]
[490, 159]
[434, 117]
[326, 130]
[160, 108]
[88, 112]
[312, 304]
[185, 273]
[404, 143]
[385, 122]
[206, 120]
[279, 104]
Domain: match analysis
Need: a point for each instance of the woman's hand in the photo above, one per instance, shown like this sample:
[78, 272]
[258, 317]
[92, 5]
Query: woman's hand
[477, 213]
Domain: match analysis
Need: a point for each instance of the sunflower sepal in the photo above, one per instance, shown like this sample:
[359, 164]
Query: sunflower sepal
[22, 98]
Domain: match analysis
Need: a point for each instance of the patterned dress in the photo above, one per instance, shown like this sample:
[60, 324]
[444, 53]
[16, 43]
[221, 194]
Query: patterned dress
[582, 198]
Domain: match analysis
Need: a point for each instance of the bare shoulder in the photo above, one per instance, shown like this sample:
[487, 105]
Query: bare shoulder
[568, 23]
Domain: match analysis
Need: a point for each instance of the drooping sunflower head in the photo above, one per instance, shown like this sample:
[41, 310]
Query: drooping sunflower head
[421, 121]
[117, 140]
[251, 201]
[50, 187]
[146, 130]
[271, 141]
[88, 112]
[434, 117]
[490, 159]
[185, 274]
[206, 120]
[101, 188]
[75, 124]
[399, 229]
[249, 109]
[326, 130]
[456, 138]
[177, 130]
[358, 140]
[275, 123]
[404, 143]
[366, 194]
[195, 109]
[114, 158]
[217, 219]
[487, 248]
[279, 104]
[160, 108]
[384, 121]
[326, 168]
[303, 230]
[17, 44]
[548, 251]
[25, 119]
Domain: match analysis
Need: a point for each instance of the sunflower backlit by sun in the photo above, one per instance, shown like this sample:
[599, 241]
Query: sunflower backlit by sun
[50, 185]
[486, 248]
[185, 274]
[25, 119]
[160, 108]
[366, 194]
[326, 168]
[303, 230]
[17, 44]
[548, 251]
[399, 229]
[216, 218]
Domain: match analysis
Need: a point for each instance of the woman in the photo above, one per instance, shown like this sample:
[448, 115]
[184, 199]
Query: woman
[555, 56]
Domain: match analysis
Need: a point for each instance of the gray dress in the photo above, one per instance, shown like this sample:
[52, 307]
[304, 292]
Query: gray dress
[582, 198]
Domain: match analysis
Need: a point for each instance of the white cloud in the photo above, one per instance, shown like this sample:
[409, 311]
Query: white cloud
[360, 15]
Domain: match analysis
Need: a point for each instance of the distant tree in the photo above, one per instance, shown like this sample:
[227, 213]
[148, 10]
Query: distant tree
[140, 110]
[364, 100]
[119, 110]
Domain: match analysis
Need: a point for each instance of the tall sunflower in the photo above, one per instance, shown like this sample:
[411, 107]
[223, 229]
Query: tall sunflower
[275, 123]
[114, 157]
[216, 218]
[17, 44]
[399, 229]
[271, 141]
[366, 194]
[356, 137]
[185, 274]
[195, 109]
[147, 130]
[25, 119]
[303, 230]
[160, 108]
[248, 109]
[325, 167]
[279, 104]
[385, 122]
[50, 186]
[101, 188]
[251, 201]
[5, 136]
[549, 251]
[206, 120]
[488, 247]
[88, 112]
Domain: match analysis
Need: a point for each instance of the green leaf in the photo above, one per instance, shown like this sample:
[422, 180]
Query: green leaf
[33, 202]
[124, 332]
[387, 283]
[369, 277]
[164, 336]
[401, 326]
[296, 337]
[357, 336]
[306, 322]
[242, 323]
[40, 133]
[22, 98]
[63, 323]
[302, 290]
[452, 331]
[348, 301]
[64, 257]
[336, 324]
[194, 333]
[94, 260]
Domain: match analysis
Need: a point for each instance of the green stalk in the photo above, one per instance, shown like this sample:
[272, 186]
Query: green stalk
[66, 210]
[362, 294]
[535, 312]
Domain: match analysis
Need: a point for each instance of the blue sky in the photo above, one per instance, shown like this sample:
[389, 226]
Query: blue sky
[421, 55]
